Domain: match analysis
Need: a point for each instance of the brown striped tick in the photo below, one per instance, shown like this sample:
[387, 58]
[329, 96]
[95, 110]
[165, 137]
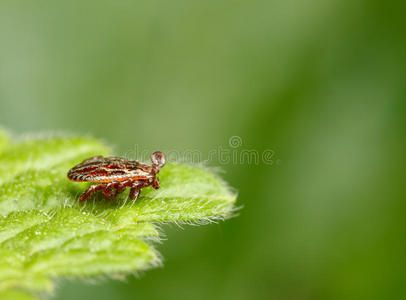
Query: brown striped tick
[114, 174]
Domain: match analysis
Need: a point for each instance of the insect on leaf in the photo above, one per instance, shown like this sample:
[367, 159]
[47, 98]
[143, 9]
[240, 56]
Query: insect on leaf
[45, 233]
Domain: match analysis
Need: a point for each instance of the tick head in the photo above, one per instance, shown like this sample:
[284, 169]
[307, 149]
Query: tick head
[158, 160]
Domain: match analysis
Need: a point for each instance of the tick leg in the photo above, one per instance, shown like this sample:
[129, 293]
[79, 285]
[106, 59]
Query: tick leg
[90, 191]
[136, 189]
[107, 192]
[120, 188]
[123, 184]
[134, 193]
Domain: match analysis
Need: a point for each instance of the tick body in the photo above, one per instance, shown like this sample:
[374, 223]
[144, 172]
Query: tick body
[114, 174]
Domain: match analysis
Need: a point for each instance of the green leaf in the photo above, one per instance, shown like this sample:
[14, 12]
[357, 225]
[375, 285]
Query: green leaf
[45, 233]
[15, 295]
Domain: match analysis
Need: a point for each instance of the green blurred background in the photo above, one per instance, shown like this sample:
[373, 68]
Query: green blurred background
[320, 83]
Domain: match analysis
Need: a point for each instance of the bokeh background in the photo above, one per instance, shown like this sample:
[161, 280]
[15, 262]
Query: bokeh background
[320, 83]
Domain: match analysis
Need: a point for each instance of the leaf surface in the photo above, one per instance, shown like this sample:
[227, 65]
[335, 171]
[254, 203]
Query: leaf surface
[45, 233]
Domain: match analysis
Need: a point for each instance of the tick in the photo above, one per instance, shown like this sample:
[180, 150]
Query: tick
[114, 174]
